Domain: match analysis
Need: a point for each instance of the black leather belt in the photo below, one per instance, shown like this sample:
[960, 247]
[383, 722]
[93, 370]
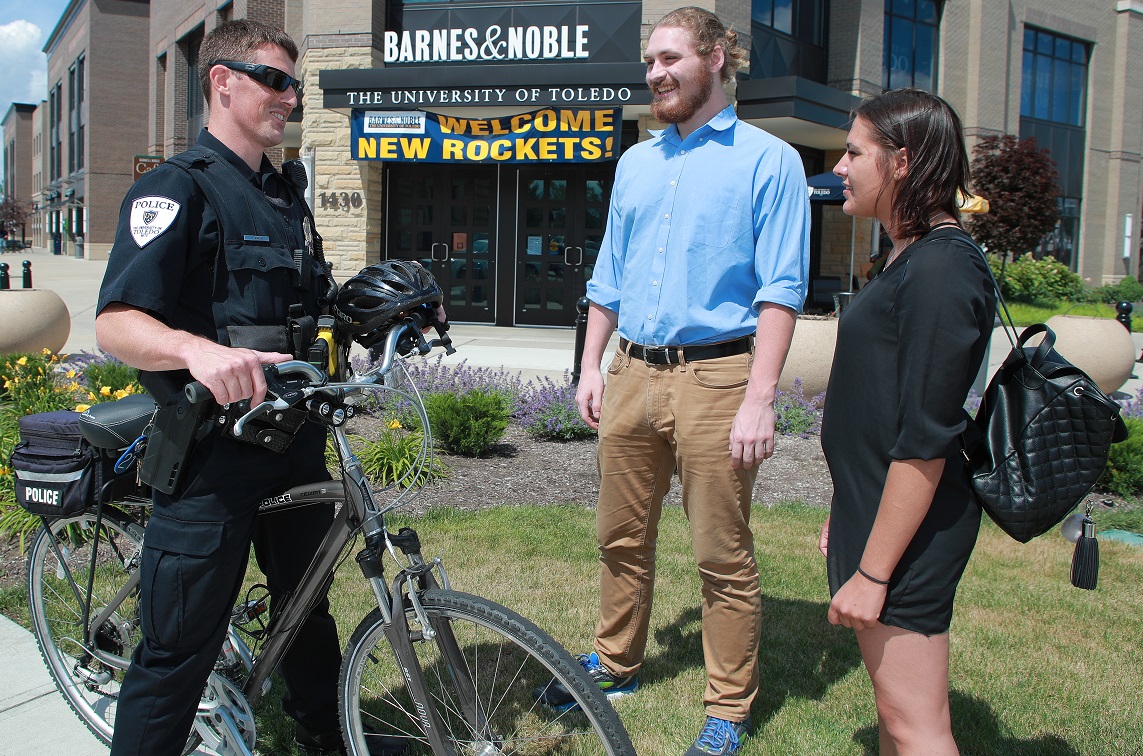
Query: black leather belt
[669, 355]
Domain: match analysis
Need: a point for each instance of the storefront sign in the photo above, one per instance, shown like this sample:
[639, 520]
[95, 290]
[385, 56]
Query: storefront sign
[143, 163]
[598, 32]
[454, 96]
[551, 135]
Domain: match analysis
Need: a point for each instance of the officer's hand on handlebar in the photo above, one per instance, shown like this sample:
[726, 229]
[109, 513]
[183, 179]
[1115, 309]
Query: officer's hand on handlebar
[232, 374]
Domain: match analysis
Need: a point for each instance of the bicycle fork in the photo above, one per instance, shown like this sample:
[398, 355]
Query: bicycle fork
[396, 604]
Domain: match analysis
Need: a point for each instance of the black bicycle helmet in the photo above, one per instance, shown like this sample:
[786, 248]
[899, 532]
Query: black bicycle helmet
[370, 302]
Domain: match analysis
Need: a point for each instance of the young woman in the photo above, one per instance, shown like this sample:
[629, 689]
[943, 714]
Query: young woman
[903, 520]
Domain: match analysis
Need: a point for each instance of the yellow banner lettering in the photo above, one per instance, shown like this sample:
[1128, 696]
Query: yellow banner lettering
[591, 149]
[526, 149]
[604, 120]
[478, 128]
[502, 149]
[476, 150]
[546, 120]
[452, 149]
[575, 120]
[451, 125]
[387, 149]
[415, 148]
[548, 148]
[520, 123]
[366, 148]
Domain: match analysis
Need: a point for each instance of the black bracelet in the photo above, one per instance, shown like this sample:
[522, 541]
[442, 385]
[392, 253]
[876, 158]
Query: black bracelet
[870, 578]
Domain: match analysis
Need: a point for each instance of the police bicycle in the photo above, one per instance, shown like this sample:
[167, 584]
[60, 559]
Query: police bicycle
[429, 670]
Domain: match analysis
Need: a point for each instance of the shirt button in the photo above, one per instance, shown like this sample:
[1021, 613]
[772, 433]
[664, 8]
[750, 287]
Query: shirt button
[654, 283]
[648, 316]
[673, 183]
[667, 216]
[261, 262]
[682, 152]
[660, 250]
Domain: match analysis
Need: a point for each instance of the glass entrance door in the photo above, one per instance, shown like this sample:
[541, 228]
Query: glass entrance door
[444, 216]
[562, 213]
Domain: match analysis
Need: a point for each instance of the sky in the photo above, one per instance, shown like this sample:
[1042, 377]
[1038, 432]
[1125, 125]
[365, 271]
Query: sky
[24, 29]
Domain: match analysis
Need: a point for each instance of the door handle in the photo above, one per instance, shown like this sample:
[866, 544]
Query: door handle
[567, 256]
[433, 252]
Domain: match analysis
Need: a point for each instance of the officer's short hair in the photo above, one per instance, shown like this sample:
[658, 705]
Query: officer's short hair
[238, 41]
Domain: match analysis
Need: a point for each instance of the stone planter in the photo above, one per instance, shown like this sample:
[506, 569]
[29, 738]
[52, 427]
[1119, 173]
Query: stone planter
[32, 320]
[1101, 347]
[811, 354]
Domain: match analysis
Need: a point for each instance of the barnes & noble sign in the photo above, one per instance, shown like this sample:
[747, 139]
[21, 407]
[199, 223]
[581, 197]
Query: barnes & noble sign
[594, 32]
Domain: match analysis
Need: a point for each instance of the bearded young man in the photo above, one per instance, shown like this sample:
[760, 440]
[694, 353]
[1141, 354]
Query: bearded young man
[703, 271]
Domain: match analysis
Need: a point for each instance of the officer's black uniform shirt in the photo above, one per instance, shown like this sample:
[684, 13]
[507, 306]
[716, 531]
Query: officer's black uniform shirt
[169, 274]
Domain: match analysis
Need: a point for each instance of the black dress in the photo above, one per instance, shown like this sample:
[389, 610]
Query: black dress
[908, 348]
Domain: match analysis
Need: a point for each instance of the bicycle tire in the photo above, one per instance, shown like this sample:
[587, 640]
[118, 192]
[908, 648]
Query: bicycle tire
[89, 685]
[506, 656]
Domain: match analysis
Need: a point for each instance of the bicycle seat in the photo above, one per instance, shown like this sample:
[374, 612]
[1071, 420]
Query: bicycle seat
[114, 425]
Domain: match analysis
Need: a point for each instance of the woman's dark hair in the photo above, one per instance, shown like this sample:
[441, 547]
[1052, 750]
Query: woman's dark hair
[930, 131]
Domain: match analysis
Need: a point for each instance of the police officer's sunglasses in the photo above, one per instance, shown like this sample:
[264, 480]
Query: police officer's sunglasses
[263, 74]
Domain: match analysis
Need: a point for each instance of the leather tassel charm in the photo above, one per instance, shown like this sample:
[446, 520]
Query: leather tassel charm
[1085, 560]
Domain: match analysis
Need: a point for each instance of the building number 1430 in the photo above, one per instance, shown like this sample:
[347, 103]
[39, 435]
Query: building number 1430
[340, 200]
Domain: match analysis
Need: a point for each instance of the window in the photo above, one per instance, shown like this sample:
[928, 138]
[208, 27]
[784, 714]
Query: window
[195, 104]
[80, 111]
[55, 116]
[910, 43]
[801, 19]
[788, 38]
[1054, 78]
[71, 120]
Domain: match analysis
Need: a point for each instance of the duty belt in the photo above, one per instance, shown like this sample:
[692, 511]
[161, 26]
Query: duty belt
[674, 355]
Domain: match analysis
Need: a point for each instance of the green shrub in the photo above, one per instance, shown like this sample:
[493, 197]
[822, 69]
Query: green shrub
[387, 459]
[1128, 289]
[469, 424]
[113, 374]
[1124, 473]
[1027, 279]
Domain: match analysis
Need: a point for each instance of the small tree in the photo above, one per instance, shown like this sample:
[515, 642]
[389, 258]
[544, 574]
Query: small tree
[1021, 184]
[13, 215]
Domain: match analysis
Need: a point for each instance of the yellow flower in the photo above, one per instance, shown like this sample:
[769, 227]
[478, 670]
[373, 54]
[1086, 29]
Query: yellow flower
[82, 407]
[22, 361]
[130, 389]
[394, 424]
[73, 386]
[105, 391]
[91, 396]
[7, 384]
[71, 374]
[45, 351]
[120, 394]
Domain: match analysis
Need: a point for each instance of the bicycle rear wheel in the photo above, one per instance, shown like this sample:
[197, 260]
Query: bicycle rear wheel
[480, 672]
[59, 571]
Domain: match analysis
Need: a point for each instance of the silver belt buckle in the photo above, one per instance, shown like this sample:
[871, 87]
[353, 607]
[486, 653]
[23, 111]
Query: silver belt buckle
[663, 350]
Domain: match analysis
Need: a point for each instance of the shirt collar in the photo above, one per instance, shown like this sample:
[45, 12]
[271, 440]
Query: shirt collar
[211, 142]
[721, 121]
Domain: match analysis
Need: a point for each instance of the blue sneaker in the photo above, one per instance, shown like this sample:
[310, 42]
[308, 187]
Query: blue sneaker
[719, 737]
[554, 695]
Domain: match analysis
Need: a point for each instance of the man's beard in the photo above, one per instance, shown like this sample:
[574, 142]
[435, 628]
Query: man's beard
[682, 108]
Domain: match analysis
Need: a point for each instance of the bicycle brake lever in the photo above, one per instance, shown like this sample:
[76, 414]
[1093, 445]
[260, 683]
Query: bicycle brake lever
[278, 404]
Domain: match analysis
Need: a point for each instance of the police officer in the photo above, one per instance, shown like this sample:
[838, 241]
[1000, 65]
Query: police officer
[213, 254]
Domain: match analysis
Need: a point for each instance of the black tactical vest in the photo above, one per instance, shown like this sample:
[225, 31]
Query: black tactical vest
[268, 256]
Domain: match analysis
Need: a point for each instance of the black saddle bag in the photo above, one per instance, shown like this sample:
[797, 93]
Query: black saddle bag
[57, 472]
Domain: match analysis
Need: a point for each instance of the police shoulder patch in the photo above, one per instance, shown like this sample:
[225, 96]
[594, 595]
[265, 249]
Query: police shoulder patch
[150, 217]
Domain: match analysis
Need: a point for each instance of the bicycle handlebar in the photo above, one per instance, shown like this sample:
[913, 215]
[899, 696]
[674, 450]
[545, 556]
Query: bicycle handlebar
[402, 338]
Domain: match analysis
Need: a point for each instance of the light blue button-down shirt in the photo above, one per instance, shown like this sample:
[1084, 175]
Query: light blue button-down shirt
[701, 232]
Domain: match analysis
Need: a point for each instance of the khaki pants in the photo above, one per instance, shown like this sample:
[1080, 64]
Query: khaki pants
[654, 419]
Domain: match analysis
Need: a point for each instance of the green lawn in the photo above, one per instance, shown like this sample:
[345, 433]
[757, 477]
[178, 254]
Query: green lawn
[1028, 314]
[1038, 667]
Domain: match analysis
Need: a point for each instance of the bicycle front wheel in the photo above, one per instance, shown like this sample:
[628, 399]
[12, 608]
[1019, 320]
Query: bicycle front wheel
[88, 670]
[480, 670]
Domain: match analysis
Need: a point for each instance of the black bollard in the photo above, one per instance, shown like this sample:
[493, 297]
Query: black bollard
[581, 307]
[1124, 309]
[5, 281]
[27, 274]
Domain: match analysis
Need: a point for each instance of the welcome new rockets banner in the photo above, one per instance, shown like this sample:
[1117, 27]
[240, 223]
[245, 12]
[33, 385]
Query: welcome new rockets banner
[552, 135]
